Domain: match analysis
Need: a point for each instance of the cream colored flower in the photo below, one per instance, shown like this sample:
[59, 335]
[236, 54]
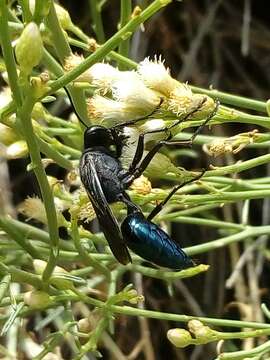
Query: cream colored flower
[102, 109]
[100, 75]
[156, 76]
[133, 92]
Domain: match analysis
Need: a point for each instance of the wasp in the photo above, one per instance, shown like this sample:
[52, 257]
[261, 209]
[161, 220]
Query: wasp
[106, 181]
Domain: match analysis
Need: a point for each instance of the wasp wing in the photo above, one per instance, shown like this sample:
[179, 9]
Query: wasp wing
[106, 219]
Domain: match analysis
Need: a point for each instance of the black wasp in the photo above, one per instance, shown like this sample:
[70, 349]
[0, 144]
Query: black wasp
[105, 181]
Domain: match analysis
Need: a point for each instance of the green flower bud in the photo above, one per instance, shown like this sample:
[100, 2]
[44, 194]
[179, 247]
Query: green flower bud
[179, 337]
[57, 279]
[63, 17]
[17, 150]
[202, 333]
[37, 299]
[29, 48]
[7, 135]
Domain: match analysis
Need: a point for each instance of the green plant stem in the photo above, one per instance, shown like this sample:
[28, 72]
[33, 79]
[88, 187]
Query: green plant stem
[233, 100]
[244, 354]
[86, 257]
[222, 196]
[125, 14]
[27, 16]
[4, 286]
[53, 154]
[47, 195]
[32, 232]
[167, 275]
[22, 276]
[8, 53]
[91, 344]
[174, 216]
[112, 55]
[239, 166]
[21, 240]
[63, 51]
[109, 45]
[132, 311]
[246, 234]
[95, 9]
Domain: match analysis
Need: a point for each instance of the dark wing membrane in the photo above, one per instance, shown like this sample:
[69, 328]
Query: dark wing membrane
[104, 214]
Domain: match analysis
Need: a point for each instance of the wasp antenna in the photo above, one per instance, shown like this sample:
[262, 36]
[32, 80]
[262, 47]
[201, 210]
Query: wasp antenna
[74, 108]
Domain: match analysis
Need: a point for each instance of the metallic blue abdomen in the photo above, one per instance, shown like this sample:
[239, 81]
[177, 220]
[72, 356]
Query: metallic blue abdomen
[150, 242]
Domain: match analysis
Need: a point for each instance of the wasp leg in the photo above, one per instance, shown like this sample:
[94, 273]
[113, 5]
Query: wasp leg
[134, 121]
[136, 169]
[160, 206]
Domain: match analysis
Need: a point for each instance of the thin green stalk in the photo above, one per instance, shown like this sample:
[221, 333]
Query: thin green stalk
[8, 53]
[21, 276]
[86, 257]
[112, 55]
[174, 216]
[125, 14]
[47, 195]
[109, 45]
[32, 232]
[4, 286]
[132, 311]
[246, 234]
[167, 275]
[53, 154]
[63, 50]
[58, 145]
[41, 7]
[239, 166]
[21, 240]
[233, 100]
[244, 354]
[91, 344]
[95, 8]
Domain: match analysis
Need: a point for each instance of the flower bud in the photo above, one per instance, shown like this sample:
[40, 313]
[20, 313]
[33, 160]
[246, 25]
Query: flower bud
[232, 144]
[202, 333]
[57, 279]
[37, 299]
[38, 113]
[17, 150]
[45, 9]
[179, 337]
[63, 17]
[7, 135]
[29, 48]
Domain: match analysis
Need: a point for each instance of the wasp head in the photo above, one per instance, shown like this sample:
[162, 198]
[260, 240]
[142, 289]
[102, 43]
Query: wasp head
[97, 135]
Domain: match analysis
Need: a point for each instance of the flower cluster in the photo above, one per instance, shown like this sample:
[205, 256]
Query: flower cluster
[124, 95]
[198, 334]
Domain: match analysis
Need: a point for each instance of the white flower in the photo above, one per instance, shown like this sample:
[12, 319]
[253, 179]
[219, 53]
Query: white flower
[156, 76]
[102, 109]
[103, 76]
[100, 75]
[133, 92]
[180, 99]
